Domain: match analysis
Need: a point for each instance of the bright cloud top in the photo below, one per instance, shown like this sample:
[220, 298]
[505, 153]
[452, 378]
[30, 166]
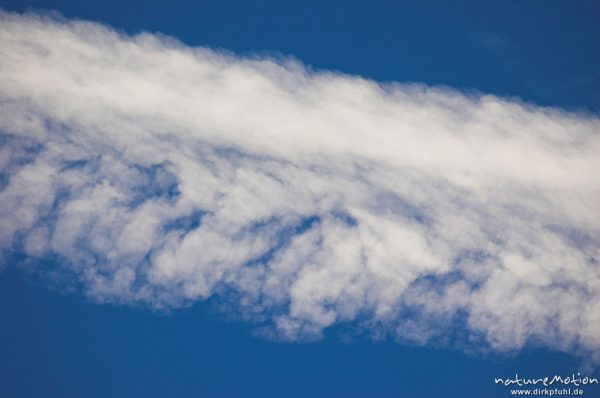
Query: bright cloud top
[161, 174]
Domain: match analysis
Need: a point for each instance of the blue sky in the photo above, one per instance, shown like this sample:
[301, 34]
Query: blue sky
[91, 317]
[60, 345]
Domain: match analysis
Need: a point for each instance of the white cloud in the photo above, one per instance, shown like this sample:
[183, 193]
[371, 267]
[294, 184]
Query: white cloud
[163, 174]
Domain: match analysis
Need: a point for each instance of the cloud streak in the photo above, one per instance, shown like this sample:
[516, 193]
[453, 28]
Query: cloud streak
[162, 174]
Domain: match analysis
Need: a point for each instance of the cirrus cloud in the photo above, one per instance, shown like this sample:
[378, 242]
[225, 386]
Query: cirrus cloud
[163, 174]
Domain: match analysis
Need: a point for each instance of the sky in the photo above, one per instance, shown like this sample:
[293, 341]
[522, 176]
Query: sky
[256, 199]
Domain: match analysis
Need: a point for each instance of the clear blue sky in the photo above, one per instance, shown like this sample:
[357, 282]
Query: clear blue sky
[60, 345]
